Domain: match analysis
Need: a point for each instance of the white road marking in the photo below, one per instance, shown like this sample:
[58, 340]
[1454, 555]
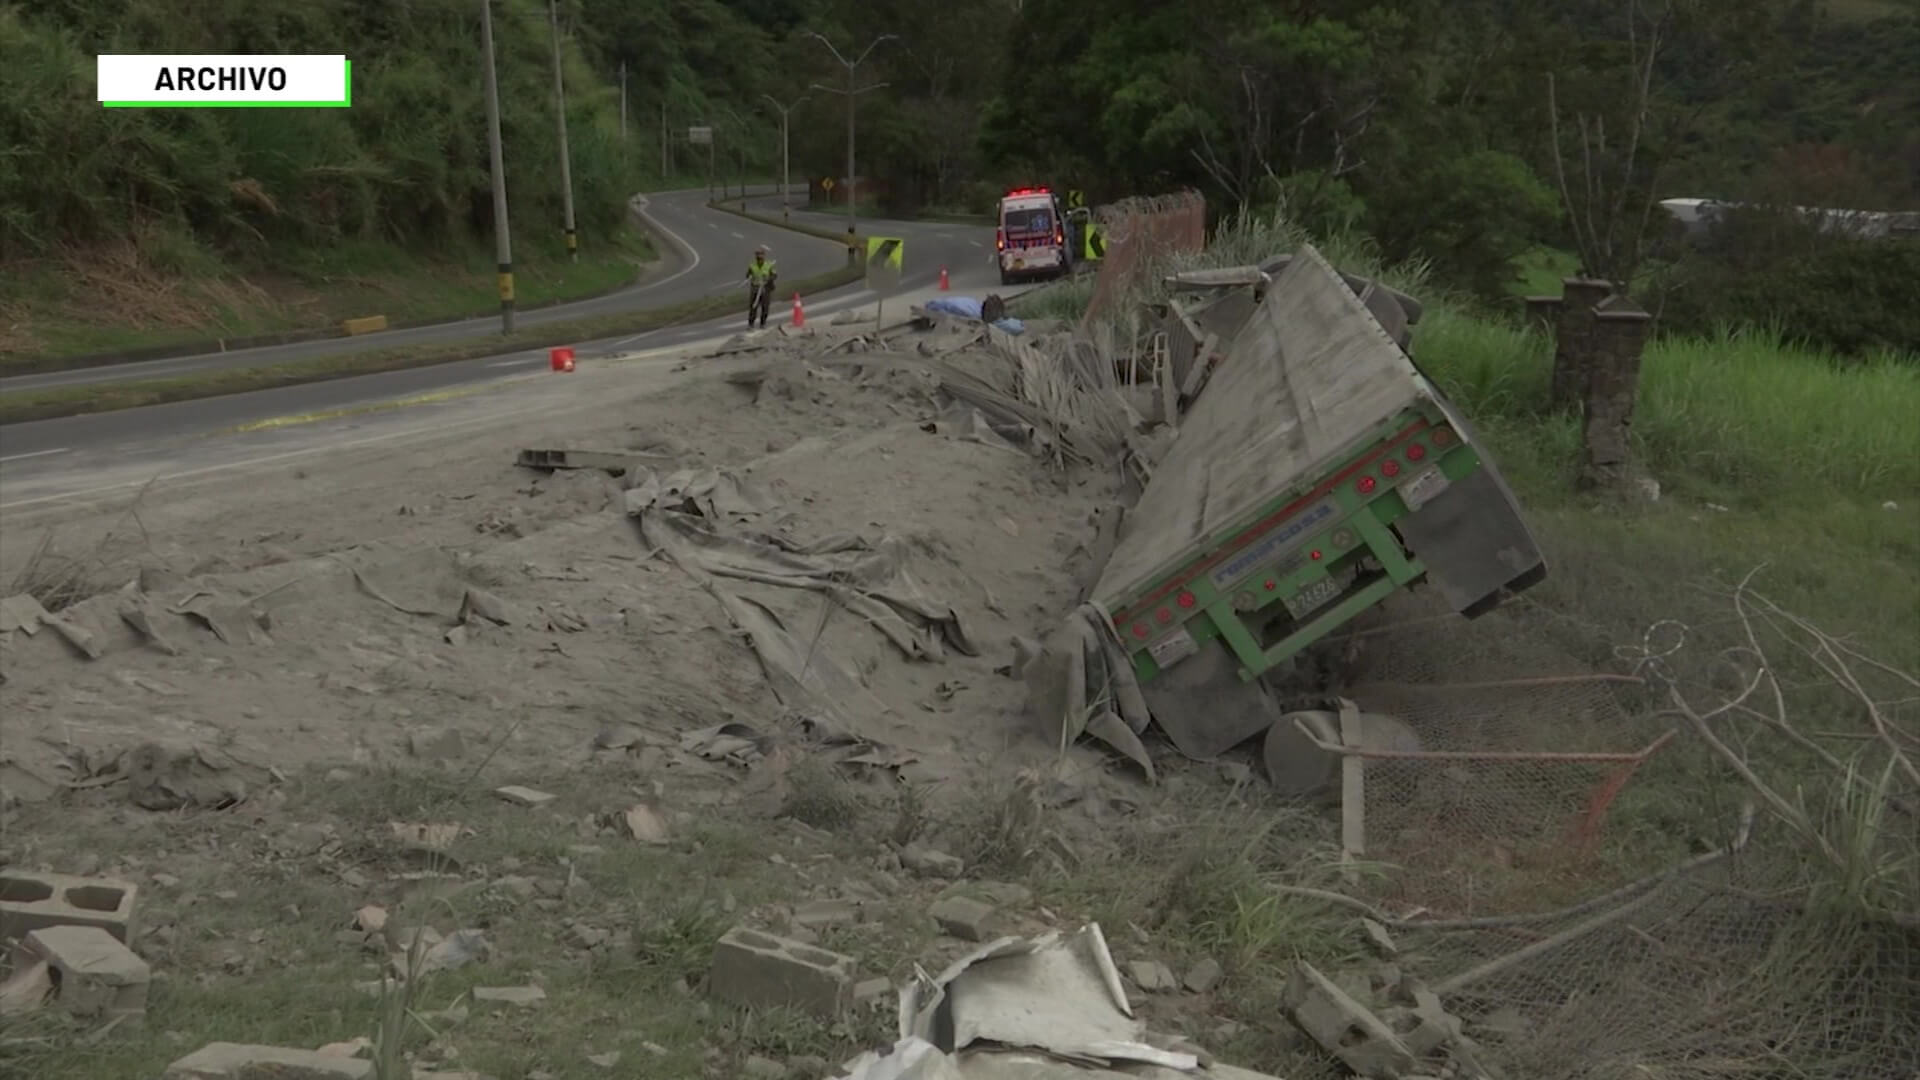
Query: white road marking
[737, 236]
[248, 463]
[713, 225]
[36, 453]
[976, 243]
[693, 255]
[513, 363]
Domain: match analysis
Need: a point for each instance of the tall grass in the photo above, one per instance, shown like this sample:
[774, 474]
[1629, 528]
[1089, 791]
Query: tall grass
[407, 164]
[1741, 410]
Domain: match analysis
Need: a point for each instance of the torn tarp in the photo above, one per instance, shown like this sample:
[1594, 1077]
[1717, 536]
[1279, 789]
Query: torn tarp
[718, 494]
[1045, 1008]
[1081, 683]
[865, 580]
[696, 518]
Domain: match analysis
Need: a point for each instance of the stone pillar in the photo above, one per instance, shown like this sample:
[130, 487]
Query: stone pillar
[1616, 343]
[1572, 347]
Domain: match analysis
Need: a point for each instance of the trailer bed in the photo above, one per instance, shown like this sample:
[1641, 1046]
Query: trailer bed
[1310, 377]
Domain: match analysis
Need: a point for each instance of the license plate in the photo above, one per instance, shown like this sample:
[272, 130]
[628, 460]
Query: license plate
[1420, 489]
[1311, 597]
[1173, 648]
[1019, 264]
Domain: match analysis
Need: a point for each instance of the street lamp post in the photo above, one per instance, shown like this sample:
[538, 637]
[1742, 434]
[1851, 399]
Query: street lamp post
[851, 92]
[786, 169]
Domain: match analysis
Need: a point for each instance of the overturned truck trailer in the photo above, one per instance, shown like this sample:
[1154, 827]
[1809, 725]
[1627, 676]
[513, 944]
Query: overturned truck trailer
[1316, 473]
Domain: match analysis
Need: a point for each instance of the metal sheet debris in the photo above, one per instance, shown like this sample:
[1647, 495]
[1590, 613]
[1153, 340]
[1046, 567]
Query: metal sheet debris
[1045, 1008]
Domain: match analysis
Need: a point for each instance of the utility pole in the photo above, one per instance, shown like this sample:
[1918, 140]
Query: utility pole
[623, 101]
[560, 109]
[502, 236]
[851, 92]
[786, 170]
[665, 167]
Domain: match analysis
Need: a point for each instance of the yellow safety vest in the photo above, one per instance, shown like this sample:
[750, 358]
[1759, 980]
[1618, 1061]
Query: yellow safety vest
[760, 271]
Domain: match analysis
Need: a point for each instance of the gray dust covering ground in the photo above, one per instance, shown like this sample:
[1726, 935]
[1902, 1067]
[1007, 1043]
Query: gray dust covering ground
[351, 611]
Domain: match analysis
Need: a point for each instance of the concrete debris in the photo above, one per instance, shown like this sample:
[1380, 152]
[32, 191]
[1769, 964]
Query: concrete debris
[30, 902]
[1152, 976]
[821, 914]
[27, 989]
[371, 919]
[606, 1061]
[1345, 1028]
[755, 969]
[355, 1047]
[236, 1061]
[201, 778]
[523, 996]
[1203, 976]
[871, 991]
[930, 863]
[23, 613]
[422, 837]
[646, 825]
[524, 796]
[1046, 1008]
[963, 917]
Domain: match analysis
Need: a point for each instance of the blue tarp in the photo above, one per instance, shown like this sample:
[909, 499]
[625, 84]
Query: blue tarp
[968, 308]
[964, 306]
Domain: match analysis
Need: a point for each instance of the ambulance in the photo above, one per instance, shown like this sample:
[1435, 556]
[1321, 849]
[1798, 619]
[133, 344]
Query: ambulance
[1031, 240]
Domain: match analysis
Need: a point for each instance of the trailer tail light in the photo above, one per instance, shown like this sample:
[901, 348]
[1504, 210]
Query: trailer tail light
[1389, 468]
[1000, 239]
[1185, 600]
[1366, 484]
[1164, 616]
[1415, 452]
[1059, 236]
[1315, 555]
[1442, 436]
[1140, 630]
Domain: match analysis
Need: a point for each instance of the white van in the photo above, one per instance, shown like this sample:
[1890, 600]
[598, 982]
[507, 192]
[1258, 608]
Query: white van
[1031, 240]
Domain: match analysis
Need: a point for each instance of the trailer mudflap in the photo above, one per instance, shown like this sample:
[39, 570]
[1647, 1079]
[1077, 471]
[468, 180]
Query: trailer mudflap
[1472, 541]
[1205, 706]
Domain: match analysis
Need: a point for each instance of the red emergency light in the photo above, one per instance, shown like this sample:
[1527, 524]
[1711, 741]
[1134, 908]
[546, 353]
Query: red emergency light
[1029, 191]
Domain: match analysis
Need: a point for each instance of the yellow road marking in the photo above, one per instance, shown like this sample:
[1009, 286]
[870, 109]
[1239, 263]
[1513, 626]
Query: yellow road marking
[296, 419]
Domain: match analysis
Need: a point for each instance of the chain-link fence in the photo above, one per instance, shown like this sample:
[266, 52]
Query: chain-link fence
[1140, 232]
[1608, 875]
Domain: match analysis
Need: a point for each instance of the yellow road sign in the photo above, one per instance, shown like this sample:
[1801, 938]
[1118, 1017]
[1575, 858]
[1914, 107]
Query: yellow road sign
[885, 251]
[1093, 242]
[826, 184]
[1076, 199]
[884, 263]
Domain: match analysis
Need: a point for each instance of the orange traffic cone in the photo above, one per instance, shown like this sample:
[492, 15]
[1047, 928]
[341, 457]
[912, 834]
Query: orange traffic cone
[943, 279]
[799, 314]
[561, 359]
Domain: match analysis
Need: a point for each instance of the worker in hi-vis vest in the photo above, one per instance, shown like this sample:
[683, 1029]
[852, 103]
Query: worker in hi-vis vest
[760, 279]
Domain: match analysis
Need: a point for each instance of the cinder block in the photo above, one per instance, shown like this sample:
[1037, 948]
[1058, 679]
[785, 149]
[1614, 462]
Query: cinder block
[758, 970]
[30, 902]
[1345, 1028]
[236, 1061]
[95, 974]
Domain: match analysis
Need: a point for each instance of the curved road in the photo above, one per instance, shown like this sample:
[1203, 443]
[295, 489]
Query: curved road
[715, 247]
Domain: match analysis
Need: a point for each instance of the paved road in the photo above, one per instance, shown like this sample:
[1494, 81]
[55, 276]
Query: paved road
[711, 260]
[719, 243]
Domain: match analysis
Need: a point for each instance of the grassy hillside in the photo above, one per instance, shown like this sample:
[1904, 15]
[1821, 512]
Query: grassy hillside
[123, 228]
